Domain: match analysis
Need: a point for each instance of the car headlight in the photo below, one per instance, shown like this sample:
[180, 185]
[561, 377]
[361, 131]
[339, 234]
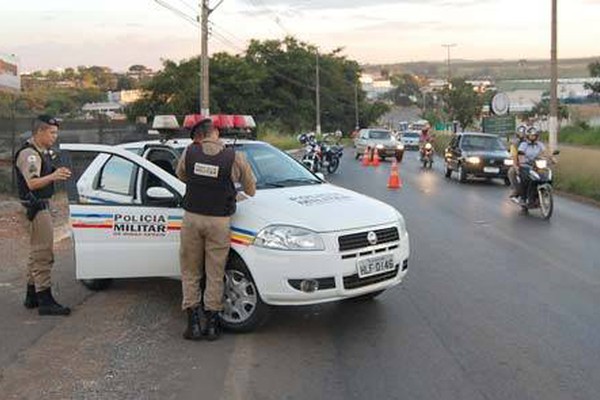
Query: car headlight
[400, 146]
[541, 164]
[283, 237]
[473, 160]
[509, 162]
[379, 146]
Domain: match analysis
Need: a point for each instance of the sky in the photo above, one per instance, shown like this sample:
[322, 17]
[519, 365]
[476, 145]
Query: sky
[118, 33]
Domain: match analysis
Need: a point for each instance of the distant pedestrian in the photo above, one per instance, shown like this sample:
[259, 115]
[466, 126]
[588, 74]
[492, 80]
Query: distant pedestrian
[209, 170]
[35, 182]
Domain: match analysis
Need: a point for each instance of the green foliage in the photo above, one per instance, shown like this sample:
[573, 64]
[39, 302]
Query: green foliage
[406, 88]
[463, 104]
[543, 109]
[594, 69]
[578, 135]
[274, 81]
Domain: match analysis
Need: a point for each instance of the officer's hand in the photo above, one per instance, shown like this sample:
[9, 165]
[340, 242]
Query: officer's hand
[61, 174]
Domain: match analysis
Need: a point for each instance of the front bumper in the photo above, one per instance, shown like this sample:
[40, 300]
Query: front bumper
[278, 274]
[485, 169]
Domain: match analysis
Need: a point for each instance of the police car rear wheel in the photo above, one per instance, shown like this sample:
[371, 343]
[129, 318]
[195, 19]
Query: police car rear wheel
[96, 284]
[243, 309]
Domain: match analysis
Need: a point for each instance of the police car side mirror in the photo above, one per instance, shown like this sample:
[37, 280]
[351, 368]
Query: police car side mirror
[159, 193]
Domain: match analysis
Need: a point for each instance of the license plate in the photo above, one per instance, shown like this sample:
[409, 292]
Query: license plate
[375, 265]
[491, 170]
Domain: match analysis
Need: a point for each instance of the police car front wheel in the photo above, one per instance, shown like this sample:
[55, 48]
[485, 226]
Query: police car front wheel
[243, 310]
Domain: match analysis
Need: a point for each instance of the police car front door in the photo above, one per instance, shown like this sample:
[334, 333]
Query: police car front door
[125, 216]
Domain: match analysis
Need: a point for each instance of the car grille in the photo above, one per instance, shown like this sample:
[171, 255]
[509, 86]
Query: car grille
[354, 282]
[359, 240]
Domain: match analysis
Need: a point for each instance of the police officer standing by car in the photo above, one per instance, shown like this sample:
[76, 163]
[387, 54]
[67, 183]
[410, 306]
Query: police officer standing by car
[35, 181]
[209, 170]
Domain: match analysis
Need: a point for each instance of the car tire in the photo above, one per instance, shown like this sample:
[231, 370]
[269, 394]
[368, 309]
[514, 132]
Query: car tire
[356, 155]
[367, 296]
[244, 310]
[96, 284]
[462, 174]
[382, 158]
[399, 156]
[448, 173]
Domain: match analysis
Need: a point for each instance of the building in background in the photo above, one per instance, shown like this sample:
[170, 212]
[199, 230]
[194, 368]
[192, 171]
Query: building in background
[9, 73]
[373, 88]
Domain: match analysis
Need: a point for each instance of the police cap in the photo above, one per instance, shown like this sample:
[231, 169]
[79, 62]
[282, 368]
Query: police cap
[203, 127]
[49, 120]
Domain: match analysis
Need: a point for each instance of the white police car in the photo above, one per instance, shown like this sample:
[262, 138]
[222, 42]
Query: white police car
[299, 241]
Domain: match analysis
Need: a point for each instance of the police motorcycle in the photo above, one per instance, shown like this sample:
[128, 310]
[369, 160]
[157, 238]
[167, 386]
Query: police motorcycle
[319, 155]
[427, 156]
[537, 187]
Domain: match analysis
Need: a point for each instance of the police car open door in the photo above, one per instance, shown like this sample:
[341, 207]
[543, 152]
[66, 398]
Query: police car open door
[125, 213]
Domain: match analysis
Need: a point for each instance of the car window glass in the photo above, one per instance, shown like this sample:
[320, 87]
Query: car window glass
[482, 143]
[117, 176]
[380, 135]
[273, 168]
[163, 158]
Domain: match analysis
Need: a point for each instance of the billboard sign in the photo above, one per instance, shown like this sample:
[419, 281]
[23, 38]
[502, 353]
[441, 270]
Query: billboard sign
[9, 73]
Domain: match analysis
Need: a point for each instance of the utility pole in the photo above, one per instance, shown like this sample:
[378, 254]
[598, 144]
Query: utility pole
[553, 128]
[204, 60]
[448, 46]
[318, 98]
[205, 12]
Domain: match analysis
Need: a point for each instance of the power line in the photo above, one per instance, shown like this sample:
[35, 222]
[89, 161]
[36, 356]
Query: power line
[260, 6]
[178, 12]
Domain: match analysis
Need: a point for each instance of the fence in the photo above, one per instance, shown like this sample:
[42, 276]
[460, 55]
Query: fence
[15, 131]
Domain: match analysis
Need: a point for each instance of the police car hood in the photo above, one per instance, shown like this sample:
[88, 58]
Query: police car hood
[321, 208]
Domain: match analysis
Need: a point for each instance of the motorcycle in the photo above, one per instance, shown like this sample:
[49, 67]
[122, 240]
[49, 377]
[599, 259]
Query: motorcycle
[319, 155]
[537, 187]
[427, 156]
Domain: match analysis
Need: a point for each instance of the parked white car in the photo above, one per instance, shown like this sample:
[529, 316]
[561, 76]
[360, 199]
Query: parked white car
[299, 241]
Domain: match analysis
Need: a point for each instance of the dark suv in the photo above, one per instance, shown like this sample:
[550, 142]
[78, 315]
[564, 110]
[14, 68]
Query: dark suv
[477, 155]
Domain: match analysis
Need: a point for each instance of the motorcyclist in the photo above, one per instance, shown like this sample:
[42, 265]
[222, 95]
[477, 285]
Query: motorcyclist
[425, 138]
[519, 137]
[528, 151]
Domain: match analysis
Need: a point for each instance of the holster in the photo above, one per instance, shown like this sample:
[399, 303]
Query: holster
[33, 205]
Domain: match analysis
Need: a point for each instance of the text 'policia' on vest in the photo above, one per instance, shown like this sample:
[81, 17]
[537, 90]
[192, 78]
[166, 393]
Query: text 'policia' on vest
[34, 200]
[210, 190]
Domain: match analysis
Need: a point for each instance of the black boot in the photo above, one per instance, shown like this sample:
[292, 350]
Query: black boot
[193, 331]
[49, 306]
[31, 300]
[213, 326]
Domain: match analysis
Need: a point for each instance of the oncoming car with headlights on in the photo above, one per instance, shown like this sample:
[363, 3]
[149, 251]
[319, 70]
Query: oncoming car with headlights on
[298, 241]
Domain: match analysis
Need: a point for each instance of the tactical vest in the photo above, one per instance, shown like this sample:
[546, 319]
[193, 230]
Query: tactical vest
[209, 188]
[41, 194]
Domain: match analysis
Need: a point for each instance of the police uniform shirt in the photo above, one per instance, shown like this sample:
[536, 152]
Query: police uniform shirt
[241, 171]
[29, 162]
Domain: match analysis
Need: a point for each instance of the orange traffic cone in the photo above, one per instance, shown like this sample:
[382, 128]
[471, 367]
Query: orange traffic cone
[366, 158]
[376, 160]
[394, 181]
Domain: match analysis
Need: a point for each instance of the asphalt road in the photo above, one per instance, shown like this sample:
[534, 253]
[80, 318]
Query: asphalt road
[496, 305]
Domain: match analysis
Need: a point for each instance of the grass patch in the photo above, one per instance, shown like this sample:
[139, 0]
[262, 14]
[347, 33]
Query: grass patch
[281, 141]
[579, 136]
[578, 171]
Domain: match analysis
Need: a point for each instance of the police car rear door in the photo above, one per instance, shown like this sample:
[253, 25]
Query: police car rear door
[123, 227]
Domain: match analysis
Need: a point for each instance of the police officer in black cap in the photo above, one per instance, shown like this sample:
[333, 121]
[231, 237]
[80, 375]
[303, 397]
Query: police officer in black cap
[209, 170]
[35, 181]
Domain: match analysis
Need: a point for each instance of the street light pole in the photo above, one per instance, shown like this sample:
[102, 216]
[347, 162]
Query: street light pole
[553, 122]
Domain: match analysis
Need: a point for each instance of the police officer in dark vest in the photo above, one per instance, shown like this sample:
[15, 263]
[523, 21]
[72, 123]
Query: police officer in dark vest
[35, 180]
[210, 171]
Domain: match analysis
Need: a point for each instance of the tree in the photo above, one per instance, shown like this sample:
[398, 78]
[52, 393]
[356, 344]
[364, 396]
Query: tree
[407, 90]
[542, 109]
[463, 103]
[594, 69]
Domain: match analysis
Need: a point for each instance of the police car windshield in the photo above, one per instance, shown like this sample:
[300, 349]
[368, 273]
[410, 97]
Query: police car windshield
[274, 168]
